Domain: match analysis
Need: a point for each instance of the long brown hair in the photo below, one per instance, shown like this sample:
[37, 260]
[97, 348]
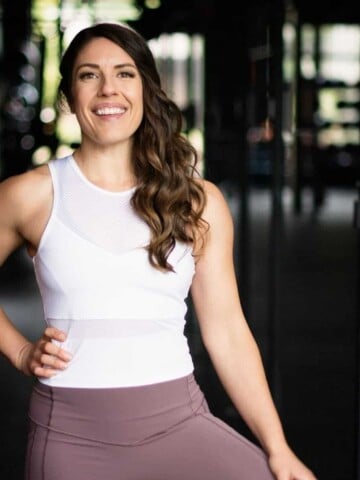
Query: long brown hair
[169, 196]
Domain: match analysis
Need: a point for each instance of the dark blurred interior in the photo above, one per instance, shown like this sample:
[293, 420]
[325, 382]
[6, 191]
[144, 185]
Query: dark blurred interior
[270, 96]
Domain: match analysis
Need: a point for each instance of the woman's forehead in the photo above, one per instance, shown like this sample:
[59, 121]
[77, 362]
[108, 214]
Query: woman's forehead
[101, 50]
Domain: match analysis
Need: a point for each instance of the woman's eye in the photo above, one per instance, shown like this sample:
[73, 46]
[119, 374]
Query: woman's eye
[126, 74]
[87, 75]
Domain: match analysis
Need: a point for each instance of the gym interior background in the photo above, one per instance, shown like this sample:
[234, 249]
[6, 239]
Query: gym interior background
[269, 92]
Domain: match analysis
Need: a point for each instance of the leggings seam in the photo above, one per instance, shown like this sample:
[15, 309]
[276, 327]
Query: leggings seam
[190, 397]
[47, 433]
[30, 451]
[143, 441]
[236, 435]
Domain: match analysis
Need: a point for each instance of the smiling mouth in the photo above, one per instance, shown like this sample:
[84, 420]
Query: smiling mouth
[109, 111]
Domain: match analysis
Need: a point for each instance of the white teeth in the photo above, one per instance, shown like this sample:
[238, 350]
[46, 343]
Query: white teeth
[109, 111]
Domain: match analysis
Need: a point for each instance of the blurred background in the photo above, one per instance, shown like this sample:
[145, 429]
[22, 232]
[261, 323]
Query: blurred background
[269, 92]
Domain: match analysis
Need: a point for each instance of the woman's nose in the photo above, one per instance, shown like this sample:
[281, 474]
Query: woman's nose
[107, 86]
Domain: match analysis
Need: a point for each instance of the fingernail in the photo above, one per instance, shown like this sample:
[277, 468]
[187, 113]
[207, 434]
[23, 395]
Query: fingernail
[67, 356]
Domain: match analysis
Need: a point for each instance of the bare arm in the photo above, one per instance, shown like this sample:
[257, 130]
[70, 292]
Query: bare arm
[22, 219]
[230, 343]
[12, 343]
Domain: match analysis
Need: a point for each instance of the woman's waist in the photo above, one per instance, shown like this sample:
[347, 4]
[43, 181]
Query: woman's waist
[106, 361]
[123, 416]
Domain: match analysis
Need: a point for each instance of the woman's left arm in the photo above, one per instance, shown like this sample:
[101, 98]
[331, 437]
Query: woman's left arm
[230, 343]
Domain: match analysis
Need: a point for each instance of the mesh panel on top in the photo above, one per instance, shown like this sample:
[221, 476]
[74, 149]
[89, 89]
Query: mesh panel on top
[106, 219]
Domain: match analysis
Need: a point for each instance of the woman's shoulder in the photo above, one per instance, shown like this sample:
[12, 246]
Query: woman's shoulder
[35, 178]
[26, 189]
[216, 203]
[218, 218]
[219, 221]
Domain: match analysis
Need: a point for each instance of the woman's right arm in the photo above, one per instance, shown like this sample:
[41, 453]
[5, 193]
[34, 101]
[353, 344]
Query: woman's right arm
[12, 343]
[20, 223]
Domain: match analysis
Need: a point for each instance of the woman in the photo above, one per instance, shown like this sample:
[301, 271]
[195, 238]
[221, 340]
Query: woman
[120, 232]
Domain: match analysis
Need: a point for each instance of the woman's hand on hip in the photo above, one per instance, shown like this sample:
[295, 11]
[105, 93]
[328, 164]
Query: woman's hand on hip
[45, 357]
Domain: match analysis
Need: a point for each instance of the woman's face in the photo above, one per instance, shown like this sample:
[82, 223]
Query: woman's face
[107, 93]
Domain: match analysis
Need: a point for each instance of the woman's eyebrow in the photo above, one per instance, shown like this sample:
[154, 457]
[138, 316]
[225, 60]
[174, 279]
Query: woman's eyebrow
[95, 65]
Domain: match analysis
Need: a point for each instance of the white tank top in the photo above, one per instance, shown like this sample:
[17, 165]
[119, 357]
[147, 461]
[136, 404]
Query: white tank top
[124, 319]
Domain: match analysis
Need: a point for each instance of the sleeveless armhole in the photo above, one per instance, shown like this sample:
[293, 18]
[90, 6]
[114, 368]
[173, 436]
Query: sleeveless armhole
[49, 222]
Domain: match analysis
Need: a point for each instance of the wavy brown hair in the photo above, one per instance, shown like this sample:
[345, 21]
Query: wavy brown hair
[169, 196]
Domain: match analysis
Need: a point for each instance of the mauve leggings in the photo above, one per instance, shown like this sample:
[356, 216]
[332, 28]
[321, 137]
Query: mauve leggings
[155, 432]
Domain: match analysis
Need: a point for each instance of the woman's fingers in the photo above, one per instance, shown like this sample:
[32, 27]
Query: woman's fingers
[47, 357]
[53, 333]
[55, 351]
[53, 362]
[44, 372]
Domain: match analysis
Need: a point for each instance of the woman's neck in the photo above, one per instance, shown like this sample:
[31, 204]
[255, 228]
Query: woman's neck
[111, 170]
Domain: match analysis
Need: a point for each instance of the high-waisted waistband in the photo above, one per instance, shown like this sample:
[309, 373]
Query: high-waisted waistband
[120, 416]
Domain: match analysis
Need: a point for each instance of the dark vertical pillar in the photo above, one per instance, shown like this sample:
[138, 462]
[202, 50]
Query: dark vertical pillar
[357, 349]
[275, 237]
[225, 123]
[318, 186]
[298, 173]
[16, 29]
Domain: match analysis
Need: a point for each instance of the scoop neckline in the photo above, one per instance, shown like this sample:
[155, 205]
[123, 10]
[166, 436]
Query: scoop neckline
[96, 187]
